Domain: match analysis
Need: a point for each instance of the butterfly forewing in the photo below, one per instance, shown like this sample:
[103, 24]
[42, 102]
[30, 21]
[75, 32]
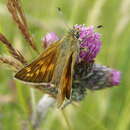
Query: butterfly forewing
[41, 69]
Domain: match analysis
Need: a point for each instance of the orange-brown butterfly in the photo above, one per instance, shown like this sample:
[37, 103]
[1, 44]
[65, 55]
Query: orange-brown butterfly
[55, 66]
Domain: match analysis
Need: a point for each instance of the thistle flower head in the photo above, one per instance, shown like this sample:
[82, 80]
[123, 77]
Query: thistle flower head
[90, 42]
[49, 38]
[101, 77]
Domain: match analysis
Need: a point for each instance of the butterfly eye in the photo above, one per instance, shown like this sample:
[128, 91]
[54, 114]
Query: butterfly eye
[77, 35]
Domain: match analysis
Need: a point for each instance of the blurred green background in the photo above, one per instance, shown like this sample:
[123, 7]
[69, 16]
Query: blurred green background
[107, 109]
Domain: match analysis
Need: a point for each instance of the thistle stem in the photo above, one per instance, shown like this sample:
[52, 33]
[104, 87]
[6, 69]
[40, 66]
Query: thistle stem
[41, 110]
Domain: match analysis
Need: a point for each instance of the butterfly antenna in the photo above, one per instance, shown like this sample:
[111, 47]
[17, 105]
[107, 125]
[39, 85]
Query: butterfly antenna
[62, 16]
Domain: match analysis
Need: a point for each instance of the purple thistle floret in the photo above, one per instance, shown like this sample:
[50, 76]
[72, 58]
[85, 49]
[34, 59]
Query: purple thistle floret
[49, 38]
[115, 77]
[90, 42]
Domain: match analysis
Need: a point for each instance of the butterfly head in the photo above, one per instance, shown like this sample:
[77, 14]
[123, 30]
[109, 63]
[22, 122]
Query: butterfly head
[75, 33]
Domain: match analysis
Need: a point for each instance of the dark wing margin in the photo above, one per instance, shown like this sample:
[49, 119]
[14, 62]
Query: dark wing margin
[40, 71]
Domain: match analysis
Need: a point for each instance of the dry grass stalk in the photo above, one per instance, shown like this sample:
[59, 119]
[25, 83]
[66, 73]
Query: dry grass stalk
[15, 53]
[10, 62]
[19, 18]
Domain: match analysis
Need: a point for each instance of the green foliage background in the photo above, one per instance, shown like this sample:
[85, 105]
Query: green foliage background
[107, 109]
